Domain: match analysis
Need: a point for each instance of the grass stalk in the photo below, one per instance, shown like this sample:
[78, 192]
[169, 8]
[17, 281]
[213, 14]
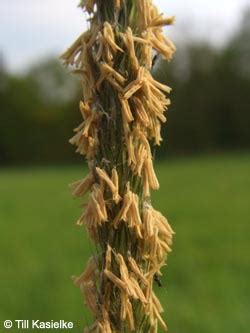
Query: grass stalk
[122, 108]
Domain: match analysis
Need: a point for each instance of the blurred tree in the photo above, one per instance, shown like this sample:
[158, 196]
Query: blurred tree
[233, 71]
[191, 114]
[34, 121]
[55, 85]
[209, 113]
[210, 95]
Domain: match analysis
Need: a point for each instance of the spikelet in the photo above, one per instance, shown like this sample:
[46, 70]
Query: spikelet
[80, 187]
[108, 71]
[114, 188]
[88, 274]
[115, 280]
[139, 293]
[109, 37]
[90, 295]
[126, 111]
[95, 213]
[129, 42]
[86, 138]
[134, 267]
[100, 205]
[132, 88]
[130, 147]
[126, 203]
[160, 21]
[148, 221]
[141, 112]
[130, 316]
[150, 173]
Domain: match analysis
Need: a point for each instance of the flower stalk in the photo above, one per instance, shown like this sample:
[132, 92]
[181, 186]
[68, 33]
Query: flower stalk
[123, 107]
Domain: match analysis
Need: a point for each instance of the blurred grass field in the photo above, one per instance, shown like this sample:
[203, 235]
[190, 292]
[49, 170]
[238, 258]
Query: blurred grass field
[206, 284]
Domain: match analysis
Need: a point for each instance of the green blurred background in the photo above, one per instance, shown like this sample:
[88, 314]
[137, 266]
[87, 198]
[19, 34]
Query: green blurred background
[203, 167]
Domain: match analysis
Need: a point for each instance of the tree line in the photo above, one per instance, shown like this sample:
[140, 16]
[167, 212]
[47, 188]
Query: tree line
[209, 111]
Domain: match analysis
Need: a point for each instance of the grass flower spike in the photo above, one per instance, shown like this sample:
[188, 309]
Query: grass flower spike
[123, 108]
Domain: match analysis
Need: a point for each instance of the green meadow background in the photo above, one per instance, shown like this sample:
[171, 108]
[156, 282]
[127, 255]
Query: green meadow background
[203, 169]
[206, 283]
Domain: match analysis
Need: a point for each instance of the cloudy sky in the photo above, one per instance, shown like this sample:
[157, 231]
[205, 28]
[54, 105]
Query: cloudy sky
[33, 29]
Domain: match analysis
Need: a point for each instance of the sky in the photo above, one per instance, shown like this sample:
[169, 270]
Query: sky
[33, 29]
